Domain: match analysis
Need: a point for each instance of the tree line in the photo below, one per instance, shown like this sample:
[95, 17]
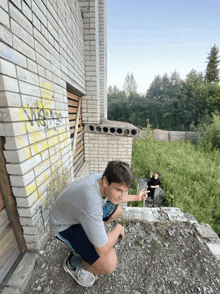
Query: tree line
[170, 103]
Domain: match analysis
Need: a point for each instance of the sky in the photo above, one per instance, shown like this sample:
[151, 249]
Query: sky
[151, 37]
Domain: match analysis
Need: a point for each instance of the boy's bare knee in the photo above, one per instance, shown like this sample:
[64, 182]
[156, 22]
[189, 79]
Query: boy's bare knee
[107, 264]
[112, 262]
[118, 212]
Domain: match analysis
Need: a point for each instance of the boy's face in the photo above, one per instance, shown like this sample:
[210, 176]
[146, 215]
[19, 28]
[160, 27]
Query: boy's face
[156, 175]
[115, 192]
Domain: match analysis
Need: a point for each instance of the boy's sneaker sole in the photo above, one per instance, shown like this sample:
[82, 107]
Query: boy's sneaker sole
[74, 274]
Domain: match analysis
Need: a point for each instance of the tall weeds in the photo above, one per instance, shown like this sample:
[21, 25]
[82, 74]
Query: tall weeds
[190, 175]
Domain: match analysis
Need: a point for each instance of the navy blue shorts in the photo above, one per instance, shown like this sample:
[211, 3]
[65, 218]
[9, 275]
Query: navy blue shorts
[76, 238]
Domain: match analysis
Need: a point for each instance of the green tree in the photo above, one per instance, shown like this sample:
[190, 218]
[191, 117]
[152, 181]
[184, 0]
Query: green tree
[195, 93]
[212, 71]
[213, 100]
[115, 95]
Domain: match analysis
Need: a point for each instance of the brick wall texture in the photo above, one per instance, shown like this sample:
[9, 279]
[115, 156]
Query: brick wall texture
[46, 47]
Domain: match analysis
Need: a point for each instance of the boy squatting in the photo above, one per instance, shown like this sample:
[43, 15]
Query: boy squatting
[79, 214]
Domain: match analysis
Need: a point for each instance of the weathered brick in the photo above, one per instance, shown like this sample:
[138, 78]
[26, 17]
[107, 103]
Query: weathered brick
[40, 38]
[32, 66]
[29, 89]
[23, 48]
[37, 11]
[16, 142]
[18, 16]
[22, 34]
[29, 230]
[8, 84]
[26, 202]
[43, 62]
[24, 167]
[27, 11]
[6, 35]
[14, 129]
[4, 4]
[25, 191]
[4, 18]
[41, 71]
[27, 76]
[12, 55]
[41, 167]
[29, 212]
[17, 3]
[41, 6]
[42, 50]
[7, 68]
[16, 156]
[21, 181]
[36, 22]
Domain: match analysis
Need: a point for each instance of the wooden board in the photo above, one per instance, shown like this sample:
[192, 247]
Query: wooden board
[4, 221]
[11, 244]
[9, 263]
[2, 205]
[72, 96]
[75, 114]
[11, 235]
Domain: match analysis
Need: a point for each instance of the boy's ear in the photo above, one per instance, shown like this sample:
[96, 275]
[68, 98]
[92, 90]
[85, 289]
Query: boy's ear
[105, 181]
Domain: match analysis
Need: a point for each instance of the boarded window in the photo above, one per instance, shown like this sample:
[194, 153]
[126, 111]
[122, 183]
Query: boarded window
[76, 130]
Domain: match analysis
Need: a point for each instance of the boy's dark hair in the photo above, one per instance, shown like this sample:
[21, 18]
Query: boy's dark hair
[158, 174]
[119, 172]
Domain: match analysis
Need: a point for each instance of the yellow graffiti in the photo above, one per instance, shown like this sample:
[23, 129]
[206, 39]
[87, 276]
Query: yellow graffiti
[42, 126]
[48, 92]
[31, 188]
[41, 116]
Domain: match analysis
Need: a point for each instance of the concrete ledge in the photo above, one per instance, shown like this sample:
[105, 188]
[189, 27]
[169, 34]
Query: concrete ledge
[215, 249]
[155, 214]
[21, 275]
[206, 232]
[174, 214]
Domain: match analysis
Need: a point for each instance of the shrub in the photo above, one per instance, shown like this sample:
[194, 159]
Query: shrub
[209, 129]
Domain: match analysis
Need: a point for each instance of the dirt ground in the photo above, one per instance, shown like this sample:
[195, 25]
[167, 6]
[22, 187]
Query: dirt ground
[153, 258]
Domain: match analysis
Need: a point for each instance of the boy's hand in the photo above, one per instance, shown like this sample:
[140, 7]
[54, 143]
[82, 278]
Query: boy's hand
[142, 195]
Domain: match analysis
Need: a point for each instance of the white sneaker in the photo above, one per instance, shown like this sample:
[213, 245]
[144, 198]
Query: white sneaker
[82, 277]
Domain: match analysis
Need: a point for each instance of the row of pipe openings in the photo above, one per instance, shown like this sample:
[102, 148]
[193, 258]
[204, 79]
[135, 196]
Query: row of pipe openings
[113, 130]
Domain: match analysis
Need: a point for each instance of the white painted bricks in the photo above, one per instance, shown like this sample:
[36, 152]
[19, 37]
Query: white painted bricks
[39, 55]
[100, 149]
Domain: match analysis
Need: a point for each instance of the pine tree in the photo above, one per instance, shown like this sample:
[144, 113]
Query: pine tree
[212, 71]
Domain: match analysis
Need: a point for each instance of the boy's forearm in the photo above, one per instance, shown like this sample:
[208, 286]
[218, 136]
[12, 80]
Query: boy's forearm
[129, 198]
[113, 236]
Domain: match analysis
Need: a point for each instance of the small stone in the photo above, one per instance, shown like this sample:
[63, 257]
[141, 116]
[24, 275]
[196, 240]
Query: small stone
[47, 290]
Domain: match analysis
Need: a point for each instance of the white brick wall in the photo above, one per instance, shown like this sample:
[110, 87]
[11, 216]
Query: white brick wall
[44, 46]
[101, 148]
[39, 48]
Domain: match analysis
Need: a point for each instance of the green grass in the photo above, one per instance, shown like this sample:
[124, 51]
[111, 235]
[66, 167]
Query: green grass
[190, 176]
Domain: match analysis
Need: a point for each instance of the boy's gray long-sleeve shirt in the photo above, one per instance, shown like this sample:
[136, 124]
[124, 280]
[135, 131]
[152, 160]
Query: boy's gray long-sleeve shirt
[81, 202]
